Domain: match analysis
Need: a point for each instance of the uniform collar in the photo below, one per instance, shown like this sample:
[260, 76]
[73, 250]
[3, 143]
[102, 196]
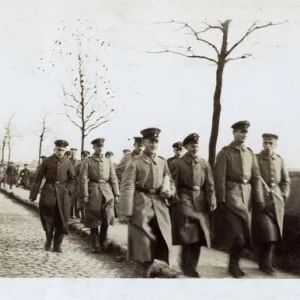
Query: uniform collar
[134, 153]
[57, 159]
[149, 159]
[189, 159]
[98, 157]
[265, 155]
[236, 146]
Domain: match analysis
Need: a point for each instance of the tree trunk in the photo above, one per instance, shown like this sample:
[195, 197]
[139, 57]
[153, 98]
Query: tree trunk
[82, 140]
[9, 153]
[217, 97]
[40, 149]
[3, 152]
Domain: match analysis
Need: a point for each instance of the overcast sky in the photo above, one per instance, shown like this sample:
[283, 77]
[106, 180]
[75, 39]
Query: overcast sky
[165, 91]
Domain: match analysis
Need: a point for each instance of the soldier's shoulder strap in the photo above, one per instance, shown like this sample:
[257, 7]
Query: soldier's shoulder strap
[250, 149]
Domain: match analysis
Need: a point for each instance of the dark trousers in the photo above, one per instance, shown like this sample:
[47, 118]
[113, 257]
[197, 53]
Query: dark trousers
[190, 254]
[57, 229]
[159, 247]
[99, 238]
[265, 255]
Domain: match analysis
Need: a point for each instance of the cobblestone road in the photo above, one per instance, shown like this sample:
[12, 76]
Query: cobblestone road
[22, 254]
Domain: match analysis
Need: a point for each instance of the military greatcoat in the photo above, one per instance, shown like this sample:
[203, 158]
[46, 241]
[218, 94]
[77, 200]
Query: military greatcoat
[98, 182]
[146, 173]
[58, 188]
[195, 195]
[74, 163]
[120, 168]
[268, 226]
[238, 186]
[79, 203]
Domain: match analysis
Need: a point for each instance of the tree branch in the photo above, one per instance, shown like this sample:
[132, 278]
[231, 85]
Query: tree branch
[250, 30]
[244, 56]
[185, 55]
[67, 115]
[70, 95]
[88, 131]
[196, 34]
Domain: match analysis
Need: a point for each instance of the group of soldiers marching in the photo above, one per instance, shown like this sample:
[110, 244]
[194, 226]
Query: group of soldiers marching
[168, 202]
[12, 175]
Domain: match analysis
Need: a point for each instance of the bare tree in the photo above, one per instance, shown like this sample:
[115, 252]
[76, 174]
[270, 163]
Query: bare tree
[223, 55]
[44, 129]
[9, 134]
[4, 143]
[86, 98]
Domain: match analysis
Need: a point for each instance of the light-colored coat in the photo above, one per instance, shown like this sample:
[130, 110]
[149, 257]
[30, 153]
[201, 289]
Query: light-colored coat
[188, 172]
[98, 182]
[238, 185]
[147, 173]
[276, 176]
[74, 163]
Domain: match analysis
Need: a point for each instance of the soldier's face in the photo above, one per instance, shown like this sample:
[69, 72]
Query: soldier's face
[192, 149]
[59, 151]
[269, 145]
[139, 147]
[98, 149]
[151, 145]
[240, 135]
[73, 153]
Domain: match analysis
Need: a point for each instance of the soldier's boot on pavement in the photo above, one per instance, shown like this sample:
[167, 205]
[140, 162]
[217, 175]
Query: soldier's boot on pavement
[265, 259]
[77, 214]
[58, 239]
[48, 243]
[72, 212]
[143, 269]
[190, 257]
[95, 240]
[234, 268]
[103, 236]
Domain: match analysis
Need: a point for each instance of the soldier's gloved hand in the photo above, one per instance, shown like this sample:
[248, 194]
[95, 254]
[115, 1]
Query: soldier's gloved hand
[213, 206]
[85, 200]
[117, 199]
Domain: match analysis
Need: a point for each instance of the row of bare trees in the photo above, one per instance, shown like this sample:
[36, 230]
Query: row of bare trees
[87, 98]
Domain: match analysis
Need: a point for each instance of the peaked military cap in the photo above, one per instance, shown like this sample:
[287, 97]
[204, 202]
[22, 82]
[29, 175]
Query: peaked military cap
[85, 152]
[98, 142]
[73, 149]
[191, 138]
[126, 151]
[138, 139]
[150, 133]
[67, 153]
[177, 145]
[43, 156]
[270, 136]
[109, 153]
[241, 125]
[61, 143]
[25, 165]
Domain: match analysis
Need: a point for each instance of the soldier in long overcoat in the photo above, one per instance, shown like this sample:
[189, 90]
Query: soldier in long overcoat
[11, 173]
[195, 200]
[178, 150]
[73, 212]
[137, 150]
[268, 224]
[79, 205]
[238, 187]
[2, 173]
[24, 175]
[99, 189]
[143, 200]
[54, 203]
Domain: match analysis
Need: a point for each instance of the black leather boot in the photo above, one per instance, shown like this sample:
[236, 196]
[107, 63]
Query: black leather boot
[58, 238]
[48, 243]
[265, 259]
[95, 241]
[82, 216]
[234, 268]
[72, 212]
[103, 236]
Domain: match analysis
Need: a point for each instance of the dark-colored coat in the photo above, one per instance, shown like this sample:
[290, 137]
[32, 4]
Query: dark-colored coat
[238, 185]
[58, 188]
[74, 163]
[171, 160]
[24, 175]
[141, 207]
[190, 211]
[79, 203]
[11, 173]
[98, 182]
[268, 225]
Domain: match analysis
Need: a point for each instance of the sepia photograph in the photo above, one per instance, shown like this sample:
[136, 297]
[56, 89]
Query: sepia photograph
[150, 140]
